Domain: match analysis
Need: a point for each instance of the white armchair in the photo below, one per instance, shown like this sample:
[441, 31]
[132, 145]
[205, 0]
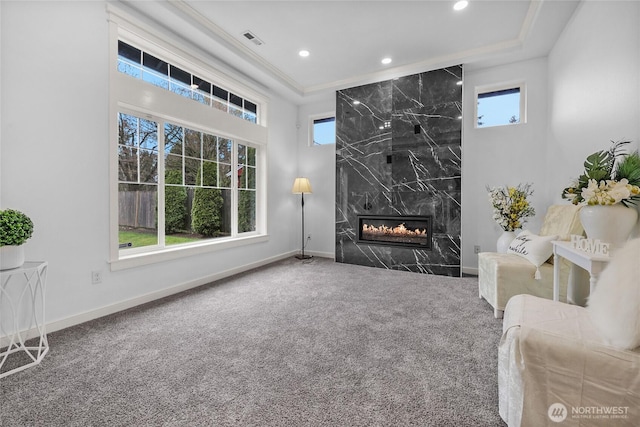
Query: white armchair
[552, 356]
[501, 276]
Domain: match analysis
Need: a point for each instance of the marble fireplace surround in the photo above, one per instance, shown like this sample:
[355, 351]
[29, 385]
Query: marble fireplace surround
[398, 153]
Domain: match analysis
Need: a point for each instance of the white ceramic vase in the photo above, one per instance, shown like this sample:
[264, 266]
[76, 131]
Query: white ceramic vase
[610, 224]
[11, 257]
[504, 240]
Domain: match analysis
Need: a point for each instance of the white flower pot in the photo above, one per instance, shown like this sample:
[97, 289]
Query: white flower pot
[11, 257]
[610, 224]
[505, 240]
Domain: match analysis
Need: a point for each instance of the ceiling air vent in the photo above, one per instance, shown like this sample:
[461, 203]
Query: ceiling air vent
[252, 37]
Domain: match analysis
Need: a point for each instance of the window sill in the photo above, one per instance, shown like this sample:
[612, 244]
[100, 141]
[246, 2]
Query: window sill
[177, 252]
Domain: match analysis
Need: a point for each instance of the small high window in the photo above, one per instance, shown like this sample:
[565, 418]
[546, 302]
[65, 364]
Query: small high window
[323, 131]
[500, 105]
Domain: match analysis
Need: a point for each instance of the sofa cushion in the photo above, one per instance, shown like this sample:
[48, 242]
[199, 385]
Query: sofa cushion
[614, 306]
[535, 249]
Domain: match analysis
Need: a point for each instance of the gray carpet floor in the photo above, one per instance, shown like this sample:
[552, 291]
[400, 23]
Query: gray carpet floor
[291, 344]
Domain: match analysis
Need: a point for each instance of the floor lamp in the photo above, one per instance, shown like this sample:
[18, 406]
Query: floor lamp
[301, 186]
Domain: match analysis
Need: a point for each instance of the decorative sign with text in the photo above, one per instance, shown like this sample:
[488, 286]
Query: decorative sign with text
[593, 246]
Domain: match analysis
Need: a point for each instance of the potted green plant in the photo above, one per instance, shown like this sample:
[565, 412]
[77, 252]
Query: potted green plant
[15, 229]
[608, 190]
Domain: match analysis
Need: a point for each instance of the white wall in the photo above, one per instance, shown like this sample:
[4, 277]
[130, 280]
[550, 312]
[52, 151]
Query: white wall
[594, 87]
[54, 163]
[318, 163]
[501, 155]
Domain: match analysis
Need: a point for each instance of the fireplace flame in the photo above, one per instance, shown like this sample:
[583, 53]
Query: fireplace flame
[400, 230]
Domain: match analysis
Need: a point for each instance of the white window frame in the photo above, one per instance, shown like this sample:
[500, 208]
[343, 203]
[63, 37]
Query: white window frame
[518, 84]
[312, 119]
[134, 96]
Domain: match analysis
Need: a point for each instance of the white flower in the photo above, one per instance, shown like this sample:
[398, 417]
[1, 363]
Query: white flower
[620, 190]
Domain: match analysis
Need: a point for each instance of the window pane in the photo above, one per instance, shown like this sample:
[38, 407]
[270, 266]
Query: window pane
[242, 154]
[129, 52]
[173, 136]
[324, 131]
[180, 81]
[250, 107]
[155, 71]
[176, 205]
[242, 177]
[251, 156]
[210, 174]
[192, 141]
[127, 164]
[224, 150]
[246, 211]
[210, 214]
[128, 130]
[220, 93]
[251, 177]
[498, 108]
[148, 166]
[148, 134]
[126, 67]
[209, 147]
[137, 213]
[191, 171]
[235, 99]
[225, 175]
[173, 163]
[155, 64]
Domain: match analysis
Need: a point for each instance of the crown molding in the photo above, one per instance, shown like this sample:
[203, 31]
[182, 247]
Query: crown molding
[236, 46]
[246, 53]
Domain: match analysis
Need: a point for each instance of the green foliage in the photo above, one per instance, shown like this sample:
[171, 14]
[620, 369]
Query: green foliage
[629, 168]
[15, 228]
[246, 211]
[207, 204]
[175, 201]
[601, 166]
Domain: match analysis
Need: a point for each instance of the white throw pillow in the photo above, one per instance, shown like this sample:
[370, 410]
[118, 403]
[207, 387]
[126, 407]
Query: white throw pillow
[614, 306]
[536, 249]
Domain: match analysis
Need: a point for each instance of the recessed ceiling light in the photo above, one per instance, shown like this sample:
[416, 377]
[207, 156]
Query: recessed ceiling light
[459, 82]
[386, 61]
[356, 102]
[460, 5]
[303, 53]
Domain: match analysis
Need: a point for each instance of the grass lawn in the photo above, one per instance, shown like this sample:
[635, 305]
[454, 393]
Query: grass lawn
[138, 239]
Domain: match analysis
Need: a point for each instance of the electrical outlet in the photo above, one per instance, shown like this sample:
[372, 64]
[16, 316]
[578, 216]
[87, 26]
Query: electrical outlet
[96, 277]
[476, 249]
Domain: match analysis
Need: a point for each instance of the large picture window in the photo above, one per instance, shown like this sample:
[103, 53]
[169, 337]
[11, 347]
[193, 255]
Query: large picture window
[196, 180]
[187, 160]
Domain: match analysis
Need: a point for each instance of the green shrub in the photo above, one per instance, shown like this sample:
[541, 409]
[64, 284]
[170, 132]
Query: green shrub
[207, 203]
[175, 203]
[15, 228]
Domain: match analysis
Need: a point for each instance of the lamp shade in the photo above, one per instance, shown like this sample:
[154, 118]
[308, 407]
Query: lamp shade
[301, 185]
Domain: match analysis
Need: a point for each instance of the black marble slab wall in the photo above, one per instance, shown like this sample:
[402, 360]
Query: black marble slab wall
[398, 152]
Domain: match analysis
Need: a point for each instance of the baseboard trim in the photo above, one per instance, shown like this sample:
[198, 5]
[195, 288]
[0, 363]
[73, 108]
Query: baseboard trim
[470, 270]
[78, 319]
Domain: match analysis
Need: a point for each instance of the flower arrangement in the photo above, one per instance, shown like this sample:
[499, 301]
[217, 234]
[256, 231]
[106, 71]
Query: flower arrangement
[510, 205]
[610, 177]
[15, 227]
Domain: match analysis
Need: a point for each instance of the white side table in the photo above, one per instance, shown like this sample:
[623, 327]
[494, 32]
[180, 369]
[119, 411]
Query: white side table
[594, 264]
[21, 310]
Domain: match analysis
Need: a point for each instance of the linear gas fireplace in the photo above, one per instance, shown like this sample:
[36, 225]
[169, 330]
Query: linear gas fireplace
[408, 231]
